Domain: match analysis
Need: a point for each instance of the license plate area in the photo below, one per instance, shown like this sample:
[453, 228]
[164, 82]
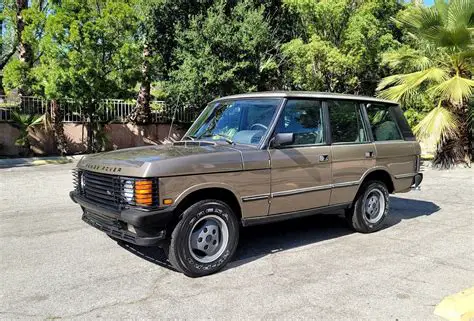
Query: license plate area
[105, 220]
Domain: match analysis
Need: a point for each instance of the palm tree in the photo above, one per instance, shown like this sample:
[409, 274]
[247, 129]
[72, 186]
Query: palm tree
[440, 69]
[25, 123]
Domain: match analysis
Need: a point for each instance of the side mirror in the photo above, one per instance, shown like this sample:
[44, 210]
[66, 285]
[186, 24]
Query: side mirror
[283, 139]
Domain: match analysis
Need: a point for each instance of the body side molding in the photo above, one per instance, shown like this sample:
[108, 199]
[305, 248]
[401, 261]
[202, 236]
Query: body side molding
[291, 215]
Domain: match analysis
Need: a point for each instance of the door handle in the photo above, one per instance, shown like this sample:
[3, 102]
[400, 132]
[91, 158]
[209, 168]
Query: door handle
[323, 158]
[369, 154]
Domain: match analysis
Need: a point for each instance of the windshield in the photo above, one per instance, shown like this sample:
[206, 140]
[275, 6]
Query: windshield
[237, 121]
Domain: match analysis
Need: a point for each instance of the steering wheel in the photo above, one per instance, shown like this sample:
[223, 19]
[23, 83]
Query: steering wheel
[259, 125]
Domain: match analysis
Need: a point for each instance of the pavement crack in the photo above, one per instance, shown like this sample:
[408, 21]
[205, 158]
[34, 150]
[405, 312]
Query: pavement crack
[22, 314]
[110, 305]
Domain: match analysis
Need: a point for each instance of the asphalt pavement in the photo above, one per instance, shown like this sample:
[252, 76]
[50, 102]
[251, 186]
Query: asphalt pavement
[53, 265]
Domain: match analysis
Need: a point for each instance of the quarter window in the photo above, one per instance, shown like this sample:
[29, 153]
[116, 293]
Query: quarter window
[303, 118]
[383, 123]
[347, 124]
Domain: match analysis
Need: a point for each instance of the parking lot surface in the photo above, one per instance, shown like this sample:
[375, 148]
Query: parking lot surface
[53, 265]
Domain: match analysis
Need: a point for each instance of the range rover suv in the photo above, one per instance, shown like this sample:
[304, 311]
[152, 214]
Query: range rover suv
[251, 159]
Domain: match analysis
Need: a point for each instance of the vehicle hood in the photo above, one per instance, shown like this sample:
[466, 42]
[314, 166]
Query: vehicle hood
[182, 158]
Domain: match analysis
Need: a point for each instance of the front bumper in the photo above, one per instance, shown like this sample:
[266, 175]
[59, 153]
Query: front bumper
[130, 225]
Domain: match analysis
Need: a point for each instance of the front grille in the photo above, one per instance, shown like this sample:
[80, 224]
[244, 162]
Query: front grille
[111, 191]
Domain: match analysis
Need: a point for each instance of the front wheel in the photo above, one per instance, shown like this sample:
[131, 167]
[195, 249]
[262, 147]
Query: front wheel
[205, 239]
[370, 208]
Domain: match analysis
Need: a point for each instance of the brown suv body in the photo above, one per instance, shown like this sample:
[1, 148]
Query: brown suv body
[262, 182]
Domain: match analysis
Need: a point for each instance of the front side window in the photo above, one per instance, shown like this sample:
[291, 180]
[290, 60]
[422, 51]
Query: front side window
[383, 123]
[242, 121]
[347, 124]
[303, 118]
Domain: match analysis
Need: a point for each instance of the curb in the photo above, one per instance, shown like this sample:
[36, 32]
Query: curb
[37, 161]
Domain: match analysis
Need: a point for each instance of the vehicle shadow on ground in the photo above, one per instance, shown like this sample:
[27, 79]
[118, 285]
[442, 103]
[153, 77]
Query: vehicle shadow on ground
[259, 241]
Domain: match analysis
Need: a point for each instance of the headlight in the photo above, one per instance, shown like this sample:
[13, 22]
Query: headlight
[127, 191]
[139, 191]
[82, 181]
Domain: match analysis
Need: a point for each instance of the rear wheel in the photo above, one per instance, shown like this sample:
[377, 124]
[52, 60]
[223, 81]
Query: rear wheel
[205, 239]
[370, 208]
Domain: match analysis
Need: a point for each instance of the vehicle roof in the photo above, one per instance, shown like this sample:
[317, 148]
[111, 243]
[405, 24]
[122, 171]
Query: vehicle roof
[304, 94]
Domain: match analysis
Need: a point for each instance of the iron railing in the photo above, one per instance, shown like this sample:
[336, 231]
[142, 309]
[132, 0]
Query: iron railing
[107, 110]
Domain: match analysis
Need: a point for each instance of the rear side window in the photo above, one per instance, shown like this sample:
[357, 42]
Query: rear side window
[383, 122]
[347, 125]
[304, 119]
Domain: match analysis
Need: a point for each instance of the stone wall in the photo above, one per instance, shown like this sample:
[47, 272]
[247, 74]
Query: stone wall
[119, 135]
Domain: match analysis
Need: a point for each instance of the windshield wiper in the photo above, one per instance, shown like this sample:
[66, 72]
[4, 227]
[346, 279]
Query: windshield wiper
[226, 138]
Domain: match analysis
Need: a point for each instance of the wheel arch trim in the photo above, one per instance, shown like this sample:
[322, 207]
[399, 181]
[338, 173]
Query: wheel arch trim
[373, 170]
[208, 185]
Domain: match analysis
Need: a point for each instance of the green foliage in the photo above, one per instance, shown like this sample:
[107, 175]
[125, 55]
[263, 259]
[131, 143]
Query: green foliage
[436, 71]
[16, 74]
[88, 51]
[223, 52]
[345, 43]
[24, 122]
[8, 38]
[438, 124]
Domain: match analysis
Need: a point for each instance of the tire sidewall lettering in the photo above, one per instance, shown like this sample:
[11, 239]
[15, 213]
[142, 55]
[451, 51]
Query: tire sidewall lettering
[214, 209]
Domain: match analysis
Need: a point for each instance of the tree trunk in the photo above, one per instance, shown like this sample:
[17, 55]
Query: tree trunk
[141, 114]
[2, 91]
[452, 152]
[58, 128]
[25, 52]
[465, 133]
[90, 135]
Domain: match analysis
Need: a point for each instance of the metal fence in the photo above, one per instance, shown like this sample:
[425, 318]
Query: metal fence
[107, 110]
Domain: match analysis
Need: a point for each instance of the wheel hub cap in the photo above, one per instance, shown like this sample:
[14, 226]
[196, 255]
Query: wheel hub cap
[208, 239]
[374, 205]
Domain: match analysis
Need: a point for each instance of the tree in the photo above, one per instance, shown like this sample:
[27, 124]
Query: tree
[438, 66]
[88, 53]
[159, 21]
[23, 24]
[153, 19]
[228, 49]
[8, 39]
[341, 48]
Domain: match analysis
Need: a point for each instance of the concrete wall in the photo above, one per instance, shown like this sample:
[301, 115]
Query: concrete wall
[119, 135]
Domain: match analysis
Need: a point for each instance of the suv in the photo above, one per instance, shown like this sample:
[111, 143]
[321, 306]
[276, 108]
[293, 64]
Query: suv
[251, 159]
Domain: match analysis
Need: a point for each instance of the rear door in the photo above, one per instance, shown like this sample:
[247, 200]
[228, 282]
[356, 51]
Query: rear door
[395, 145]
[301, 173]
[352, 151]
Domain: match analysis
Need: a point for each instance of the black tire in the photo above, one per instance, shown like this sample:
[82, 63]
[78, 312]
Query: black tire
[180, 254]
[357, 216]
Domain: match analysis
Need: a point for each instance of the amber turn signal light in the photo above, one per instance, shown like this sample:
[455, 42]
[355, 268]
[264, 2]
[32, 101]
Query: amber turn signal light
[144, 192]
[167, 201]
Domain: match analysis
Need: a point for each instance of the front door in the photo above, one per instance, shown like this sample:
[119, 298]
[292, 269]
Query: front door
[301, 172]
[352, 151]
